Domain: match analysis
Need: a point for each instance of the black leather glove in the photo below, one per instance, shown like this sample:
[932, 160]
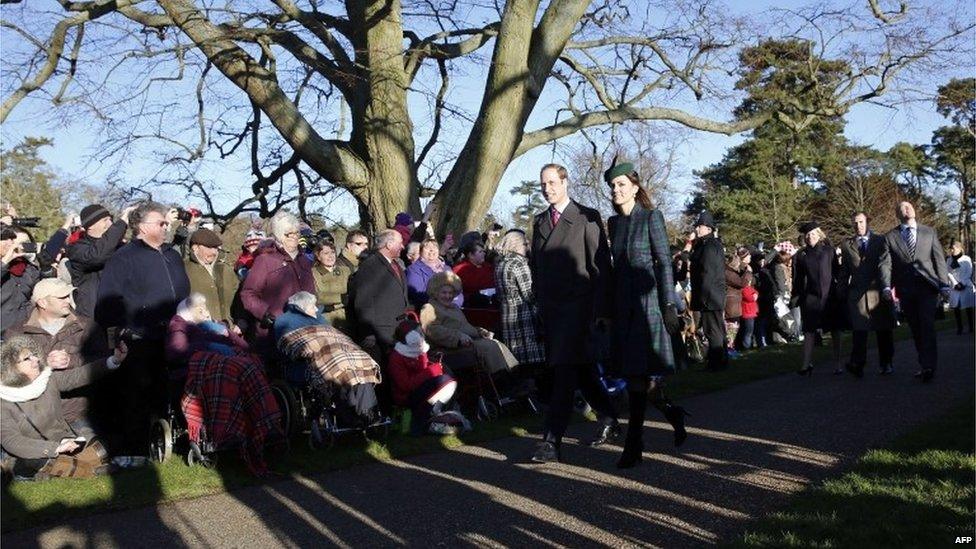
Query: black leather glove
[672, 322]
[267, 321]
[960, 286]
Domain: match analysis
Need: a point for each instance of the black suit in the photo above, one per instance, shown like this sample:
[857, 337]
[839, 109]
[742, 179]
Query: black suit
[917, 279]
[570, 273]
[377, 296]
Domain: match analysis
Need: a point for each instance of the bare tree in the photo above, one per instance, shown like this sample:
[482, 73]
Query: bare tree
[317, 93]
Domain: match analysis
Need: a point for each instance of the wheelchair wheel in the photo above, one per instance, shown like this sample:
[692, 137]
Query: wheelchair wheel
[487, 410]
[320, 435]
[534, 405]
[288, 404]
[160, 440]
[194, 456]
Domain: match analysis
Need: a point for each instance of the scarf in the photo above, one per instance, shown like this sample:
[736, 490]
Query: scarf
[28, 392]
[17, 266]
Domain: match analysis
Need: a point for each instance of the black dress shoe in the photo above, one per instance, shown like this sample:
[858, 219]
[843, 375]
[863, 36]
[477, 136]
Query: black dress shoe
[608, 433]
[546, 452]
[927, 375]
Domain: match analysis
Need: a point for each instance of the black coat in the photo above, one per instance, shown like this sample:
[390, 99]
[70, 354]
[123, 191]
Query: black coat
[707, 274]
[376, 298]
[86, 259]
[570, 274]
[140, 289]
[15, 294]
[812, 281]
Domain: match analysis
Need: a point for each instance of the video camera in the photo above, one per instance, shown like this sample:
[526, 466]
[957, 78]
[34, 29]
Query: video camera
[185, 216]
[32, 222]
[323, 235]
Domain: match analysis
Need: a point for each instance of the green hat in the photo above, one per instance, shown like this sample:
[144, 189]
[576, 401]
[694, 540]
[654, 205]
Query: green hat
[616, 170]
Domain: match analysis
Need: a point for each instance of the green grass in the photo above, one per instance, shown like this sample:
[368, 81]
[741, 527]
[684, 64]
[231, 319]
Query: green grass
[916, 492]
[25, 504]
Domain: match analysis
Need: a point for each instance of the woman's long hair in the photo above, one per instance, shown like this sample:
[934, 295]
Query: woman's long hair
[642, 197]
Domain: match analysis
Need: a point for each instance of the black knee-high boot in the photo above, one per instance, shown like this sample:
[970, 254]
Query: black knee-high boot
[634, 443]
[957, 313]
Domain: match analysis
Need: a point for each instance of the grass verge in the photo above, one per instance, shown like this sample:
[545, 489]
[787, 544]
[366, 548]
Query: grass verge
[916, 492]
[29, 504]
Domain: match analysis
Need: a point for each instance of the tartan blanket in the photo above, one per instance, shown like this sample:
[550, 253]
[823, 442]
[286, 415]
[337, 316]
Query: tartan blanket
[331, 356]
[230, 398]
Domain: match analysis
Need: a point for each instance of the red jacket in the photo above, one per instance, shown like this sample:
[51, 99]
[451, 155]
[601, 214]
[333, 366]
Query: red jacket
[750, 305]
[409, 372]
[475, 279]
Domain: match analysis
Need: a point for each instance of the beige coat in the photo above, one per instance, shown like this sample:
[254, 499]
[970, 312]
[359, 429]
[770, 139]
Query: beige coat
[445, 328]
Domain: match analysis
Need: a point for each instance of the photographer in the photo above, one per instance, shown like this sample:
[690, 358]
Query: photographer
[88, 255]
[18, 275]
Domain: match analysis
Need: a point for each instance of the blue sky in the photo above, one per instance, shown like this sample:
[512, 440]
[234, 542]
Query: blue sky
[76, 139]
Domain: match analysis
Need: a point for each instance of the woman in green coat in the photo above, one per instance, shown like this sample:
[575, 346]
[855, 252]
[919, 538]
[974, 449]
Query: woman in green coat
[331, 281]
[644, 313]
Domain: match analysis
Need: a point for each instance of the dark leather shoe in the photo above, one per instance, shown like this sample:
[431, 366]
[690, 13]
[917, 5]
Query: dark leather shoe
[927, 375]
[608, 433]
[546, 452]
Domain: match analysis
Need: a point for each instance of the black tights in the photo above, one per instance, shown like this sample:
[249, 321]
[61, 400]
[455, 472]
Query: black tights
[640, 390]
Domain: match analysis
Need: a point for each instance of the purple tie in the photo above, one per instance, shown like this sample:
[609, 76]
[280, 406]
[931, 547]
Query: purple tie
[554, 214]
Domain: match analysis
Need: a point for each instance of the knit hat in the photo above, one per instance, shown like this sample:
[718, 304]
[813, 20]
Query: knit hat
[409, 323]
[206, 237]
[410, 341]
[403, 218]
[705, 219]
[809, 226]
[92, 213]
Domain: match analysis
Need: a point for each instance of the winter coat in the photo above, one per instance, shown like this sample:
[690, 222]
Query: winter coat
[961, 272]
[519, 313]
[183, 338]
[444, 326]
[474, 279]
[859, 283]
[750, 302]
[15, 293]
[408, 373]
[734, 282]
[812, 276]
[83, 340]
[86, 259]
[33, 429]
[707, 274]
[377, 297]
[640, 345]
[141, 288]
[273, 278]
[570, 266]
[349, 260]
[219, 288]
[331, 292]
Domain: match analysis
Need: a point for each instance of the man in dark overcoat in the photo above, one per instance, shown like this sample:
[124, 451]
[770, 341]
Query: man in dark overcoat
[708, 287]
[915, 267]
[570, 265]
[859, 281]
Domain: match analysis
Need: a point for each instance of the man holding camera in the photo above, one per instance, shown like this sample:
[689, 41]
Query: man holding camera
[88, 255]
[18, 275]
[141, 286]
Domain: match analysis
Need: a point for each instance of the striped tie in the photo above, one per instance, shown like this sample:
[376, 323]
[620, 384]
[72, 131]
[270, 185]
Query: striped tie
[910, 240]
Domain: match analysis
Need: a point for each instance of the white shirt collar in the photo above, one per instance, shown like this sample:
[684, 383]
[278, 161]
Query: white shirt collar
[561, 207]
[911, 223]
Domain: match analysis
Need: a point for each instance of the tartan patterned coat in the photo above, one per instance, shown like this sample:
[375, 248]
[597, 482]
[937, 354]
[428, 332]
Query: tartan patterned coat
[642, 285]
[519, 316]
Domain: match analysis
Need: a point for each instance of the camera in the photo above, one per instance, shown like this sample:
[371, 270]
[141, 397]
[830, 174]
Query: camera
[312, 240]
[187, 215]
[29, 247]
[32, 222]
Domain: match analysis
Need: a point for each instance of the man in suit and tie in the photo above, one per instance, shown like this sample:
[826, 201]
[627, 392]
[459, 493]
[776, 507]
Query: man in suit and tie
[570, 265]
[377, 296]
[860, 283]
[915, 267]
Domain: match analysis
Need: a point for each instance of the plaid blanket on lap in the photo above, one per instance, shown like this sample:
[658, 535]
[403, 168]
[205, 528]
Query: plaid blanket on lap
[333, 356]
[229, 397]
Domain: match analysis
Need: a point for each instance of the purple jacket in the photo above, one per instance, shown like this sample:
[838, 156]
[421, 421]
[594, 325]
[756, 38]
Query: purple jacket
[273, 278]
[418, 275]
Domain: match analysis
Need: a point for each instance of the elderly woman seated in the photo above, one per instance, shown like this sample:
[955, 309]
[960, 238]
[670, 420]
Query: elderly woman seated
[325, 359]
[32, 428]
[448, 330]
[226, 393]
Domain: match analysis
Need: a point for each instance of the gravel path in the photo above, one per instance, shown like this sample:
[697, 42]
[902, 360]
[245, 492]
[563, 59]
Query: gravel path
[750, 447]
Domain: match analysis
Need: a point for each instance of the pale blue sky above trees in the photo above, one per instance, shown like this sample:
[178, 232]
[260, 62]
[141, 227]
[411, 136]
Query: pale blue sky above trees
[79, 139]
